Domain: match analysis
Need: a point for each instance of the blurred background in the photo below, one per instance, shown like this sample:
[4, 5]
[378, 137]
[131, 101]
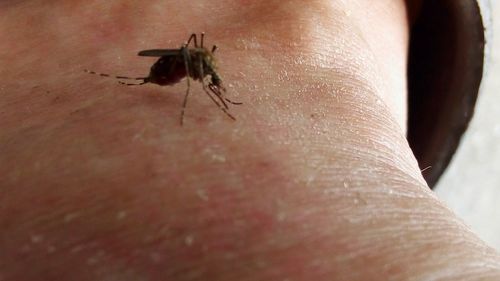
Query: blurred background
[471, 185]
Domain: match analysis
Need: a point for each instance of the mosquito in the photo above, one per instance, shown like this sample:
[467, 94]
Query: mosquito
[197, 63]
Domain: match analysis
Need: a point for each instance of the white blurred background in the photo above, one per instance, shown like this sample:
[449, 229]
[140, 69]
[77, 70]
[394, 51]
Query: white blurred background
[471, 185]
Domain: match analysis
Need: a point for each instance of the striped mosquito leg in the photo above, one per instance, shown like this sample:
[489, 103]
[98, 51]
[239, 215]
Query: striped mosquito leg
[132, 84]
[117, 77]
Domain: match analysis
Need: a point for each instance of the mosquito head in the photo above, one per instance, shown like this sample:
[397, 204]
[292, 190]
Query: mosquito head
[216, 80]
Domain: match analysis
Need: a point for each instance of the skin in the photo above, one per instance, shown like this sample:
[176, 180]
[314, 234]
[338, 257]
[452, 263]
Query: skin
[314, 181]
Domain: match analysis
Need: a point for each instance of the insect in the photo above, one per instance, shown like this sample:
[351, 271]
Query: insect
[197, 63]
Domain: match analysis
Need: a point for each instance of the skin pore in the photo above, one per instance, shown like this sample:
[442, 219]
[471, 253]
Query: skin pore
[313, 181]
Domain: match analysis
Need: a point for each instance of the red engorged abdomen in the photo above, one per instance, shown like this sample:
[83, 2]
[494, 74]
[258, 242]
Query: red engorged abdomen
[167, 71]
[172, 78]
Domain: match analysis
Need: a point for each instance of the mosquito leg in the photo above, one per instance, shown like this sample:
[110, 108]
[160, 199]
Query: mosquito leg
[218, 95]
[132, 84]
[217, 92]
[223, 108]
[131, 78]
[210, 85]
[192, 37]
[144, 79]
[218, 104]
[187, 61]
[233, 102]
[202, 74]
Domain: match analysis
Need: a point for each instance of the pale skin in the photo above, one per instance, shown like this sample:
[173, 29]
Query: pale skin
[313, 181]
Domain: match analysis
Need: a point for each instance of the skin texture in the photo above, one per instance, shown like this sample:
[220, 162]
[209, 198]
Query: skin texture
[314, 181]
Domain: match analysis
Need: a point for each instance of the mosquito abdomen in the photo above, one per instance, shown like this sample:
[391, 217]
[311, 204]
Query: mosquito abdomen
[167, 71]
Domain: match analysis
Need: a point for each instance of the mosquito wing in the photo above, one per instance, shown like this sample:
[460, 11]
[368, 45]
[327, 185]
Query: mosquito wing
[159, 52]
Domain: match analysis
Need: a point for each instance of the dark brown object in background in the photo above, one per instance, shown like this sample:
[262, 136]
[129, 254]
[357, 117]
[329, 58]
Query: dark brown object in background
[445, 71]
